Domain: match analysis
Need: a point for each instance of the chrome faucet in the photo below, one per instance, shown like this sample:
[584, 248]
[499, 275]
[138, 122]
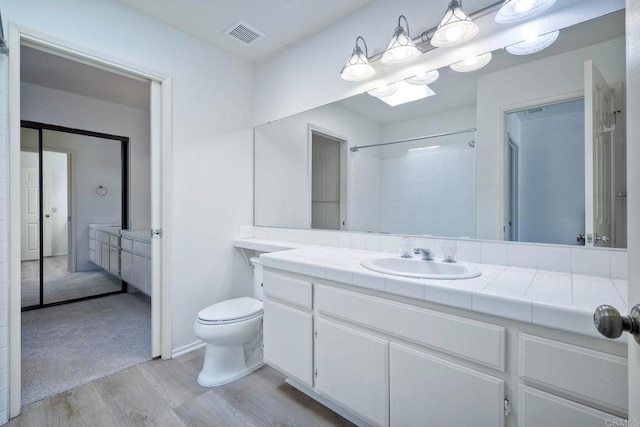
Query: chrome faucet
[427, 254]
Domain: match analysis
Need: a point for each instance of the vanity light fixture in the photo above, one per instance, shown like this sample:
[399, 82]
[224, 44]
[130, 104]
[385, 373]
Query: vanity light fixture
[424, 148]
[518, 10]
[401, 48]
[536, 44]
[456, 27]
[472, 64]
[357, 67]
[424, 78]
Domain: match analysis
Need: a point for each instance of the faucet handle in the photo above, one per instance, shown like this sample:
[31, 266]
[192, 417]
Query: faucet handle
[427, 254]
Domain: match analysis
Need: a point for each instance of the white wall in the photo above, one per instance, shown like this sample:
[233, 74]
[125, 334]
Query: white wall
[514, 88]
[45, 105]
[212, 94]
[551, 179]
[282, 187]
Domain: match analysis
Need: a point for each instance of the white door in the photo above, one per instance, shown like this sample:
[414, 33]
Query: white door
[30, 235]
[599, 128]
[633, 189]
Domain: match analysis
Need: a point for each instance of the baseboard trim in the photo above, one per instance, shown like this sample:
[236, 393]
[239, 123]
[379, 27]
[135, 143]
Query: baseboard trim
[329, 404]
[187, 348]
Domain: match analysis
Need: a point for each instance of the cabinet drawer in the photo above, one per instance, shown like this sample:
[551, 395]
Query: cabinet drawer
[141, 248]
[114, 240]
[538, 408]
[126, 244]
[588, 374]
[92, 244]
[92, 256]
[472, 340]
[287, 289]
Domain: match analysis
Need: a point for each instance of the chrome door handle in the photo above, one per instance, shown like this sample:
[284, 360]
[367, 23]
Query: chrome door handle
[611, 324]
[603, 239]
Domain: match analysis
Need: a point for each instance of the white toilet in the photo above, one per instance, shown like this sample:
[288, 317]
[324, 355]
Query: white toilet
[232, 331]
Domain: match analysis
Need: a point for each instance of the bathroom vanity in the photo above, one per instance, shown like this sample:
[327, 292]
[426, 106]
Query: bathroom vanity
[391, 351]
[125, 254]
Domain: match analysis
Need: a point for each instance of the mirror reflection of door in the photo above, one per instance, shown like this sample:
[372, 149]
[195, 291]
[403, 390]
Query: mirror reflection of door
[326, 182]
[546, 167]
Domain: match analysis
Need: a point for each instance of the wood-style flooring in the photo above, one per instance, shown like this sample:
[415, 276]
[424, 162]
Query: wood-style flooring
[165, 393]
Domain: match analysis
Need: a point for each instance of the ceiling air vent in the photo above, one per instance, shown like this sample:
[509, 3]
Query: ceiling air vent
[244, 33]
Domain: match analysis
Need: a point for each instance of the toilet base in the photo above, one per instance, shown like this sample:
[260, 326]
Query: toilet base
[224, 364]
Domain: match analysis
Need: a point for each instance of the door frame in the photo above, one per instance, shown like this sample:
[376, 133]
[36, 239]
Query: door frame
[161, 173]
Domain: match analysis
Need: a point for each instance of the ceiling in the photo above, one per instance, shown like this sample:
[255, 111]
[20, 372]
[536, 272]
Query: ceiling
[55, 72]
[283, 21]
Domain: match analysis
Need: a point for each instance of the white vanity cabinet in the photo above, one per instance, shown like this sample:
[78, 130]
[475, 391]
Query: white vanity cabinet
[104, 247]
[136, 259]
[288, 326]
[374, 358]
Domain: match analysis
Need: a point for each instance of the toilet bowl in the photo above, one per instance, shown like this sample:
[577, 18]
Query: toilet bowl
[232, 332]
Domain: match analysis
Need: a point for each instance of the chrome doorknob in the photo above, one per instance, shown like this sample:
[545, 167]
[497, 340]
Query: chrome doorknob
[603, 239]
[611, 324]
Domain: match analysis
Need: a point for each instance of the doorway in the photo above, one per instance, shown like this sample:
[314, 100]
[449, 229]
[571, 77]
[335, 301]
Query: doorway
[328, 180]
[546, 191]
[160, 172]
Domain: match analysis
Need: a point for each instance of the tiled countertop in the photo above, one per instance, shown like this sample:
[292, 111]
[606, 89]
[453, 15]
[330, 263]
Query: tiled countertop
[547, 298]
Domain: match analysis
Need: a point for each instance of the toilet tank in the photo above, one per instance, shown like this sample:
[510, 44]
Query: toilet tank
[258, 291]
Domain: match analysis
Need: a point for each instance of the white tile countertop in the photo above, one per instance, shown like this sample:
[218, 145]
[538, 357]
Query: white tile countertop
[547, 298]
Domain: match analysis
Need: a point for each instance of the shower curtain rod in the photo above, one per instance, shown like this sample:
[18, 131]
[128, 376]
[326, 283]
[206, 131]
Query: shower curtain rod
[435, 135]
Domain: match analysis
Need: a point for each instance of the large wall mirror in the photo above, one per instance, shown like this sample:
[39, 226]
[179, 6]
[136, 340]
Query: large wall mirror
[360, 164]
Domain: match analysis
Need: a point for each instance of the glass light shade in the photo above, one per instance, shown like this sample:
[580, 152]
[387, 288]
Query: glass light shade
[518, 10]
[527, 47]
[386, 90]
[456, 27]
[357, 67]
[425, 78]
[401, 48]
[472, 64]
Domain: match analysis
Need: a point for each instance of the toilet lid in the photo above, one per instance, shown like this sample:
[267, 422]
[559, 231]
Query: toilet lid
[233, 309]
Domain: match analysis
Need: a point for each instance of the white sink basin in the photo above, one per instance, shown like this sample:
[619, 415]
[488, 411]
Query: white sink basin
[420, 269]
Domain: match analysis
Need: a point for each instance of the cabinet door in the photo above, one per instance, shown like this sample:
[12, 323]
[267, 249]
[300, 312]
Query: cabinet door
[287, 337]
[428, 391]
[351, 369]
[139, 273]
[538, 408]
[98, 254]
[126, 267]
[114, 261]
[104, 263]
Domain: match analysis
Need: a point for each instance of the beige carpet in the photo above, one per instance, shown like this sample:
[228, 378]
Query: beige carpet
[69, 345]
